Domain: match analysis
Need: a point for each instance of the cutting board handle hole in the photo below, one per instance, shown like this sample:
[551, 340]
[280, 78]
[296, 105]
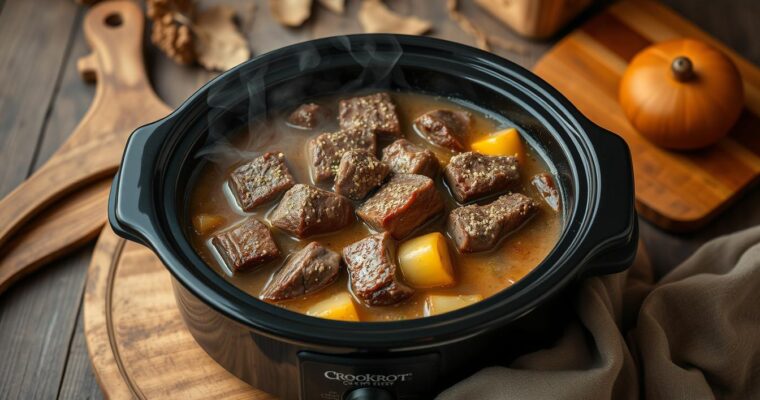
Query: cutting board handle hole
[113, 20]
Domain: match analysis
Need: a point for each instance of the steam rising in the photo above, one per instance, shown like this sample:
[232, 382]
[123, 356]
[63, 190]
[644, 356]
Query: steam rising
[288, 80]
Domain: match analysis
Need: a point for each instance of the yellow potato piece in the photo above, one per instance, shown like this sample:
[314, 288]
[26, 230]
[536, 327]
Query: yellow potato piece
[207, 223]
[439, 304]
[340, 306]
[502, 143]
[425, 261]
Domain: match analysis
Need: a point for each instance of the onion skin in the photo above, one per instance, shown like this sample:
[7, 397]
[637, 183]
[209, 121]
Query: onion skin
[677, 107]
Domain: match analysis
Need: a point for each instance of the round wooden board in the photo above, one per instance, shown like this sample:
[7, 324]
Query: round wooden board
[138, 344]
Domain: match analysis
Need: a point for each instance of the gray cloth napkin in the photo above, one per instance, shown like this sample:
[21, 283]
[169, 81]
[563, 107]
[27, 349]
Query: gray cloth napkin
[695, 334]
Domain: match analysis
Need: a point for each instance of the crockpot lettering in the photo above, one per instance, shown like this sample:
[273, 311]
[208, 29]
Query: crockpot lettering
[367, 379]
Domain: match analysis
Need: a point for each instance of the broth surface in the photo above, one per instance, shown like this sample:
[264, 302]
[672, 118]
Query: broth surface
[479, 273]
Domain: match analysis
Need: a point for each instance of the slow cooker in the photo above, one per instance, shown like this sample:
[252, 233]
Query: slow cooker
[296, 356]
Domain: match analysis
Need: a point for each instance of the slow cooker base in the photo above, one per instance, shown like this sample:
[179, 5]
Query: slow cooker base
[301, 371]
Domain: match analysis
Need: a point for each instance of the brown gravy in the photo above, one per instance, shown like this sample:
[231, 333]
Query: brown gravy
[480, 273]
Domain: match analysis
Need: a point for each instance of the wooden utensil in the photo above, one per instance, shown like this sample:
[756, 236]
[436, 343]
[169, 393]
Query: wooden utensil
[123, 101]
[138, 345]
[73, 222]
[678, 191]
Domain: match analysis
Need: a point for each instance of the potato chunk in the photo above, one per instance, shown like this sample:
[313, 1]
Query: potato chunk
[439, 304]
[207, 223]
[340, 307]
[425, 261]
[502, 143]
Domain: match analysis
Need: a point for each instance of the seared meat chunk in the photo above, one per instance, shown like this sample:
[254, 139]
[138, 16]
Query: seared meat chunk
[358, 173]
[404, 157]
[373, 271]
[260, 180]
[472, 175]
[445, 128]
[374, 113]
[246, 245]
[306, 116]
[402, 205]
[544, 184]
[305, 210]
[326, 150]
[478, 228]
[306, 271]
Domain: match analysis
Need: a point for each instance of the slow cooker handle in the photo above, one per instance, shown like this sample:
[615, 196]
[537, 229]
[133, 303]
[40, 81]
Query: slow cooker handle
[130, 211]
[614, 236]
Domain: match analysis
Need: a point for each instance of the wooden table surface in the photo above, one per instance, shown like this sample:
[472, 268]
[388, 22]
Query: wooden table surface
[42, 347]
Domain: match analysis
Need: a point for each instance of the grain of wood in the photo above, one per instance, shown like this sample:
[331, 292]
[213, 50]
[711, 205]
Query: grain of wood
[70, 225]
[79, 380]
[71, 100]
[36, 317]
[30, 62]
[37, 320]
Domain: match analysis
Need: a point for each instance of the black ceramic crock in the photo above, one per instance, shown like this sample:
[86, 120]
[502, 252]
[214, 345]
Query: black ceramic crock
[297, 356]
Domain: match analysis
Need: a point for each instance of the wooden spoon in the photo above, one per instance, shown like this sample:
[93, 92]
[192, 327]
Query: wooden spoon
[124, 100]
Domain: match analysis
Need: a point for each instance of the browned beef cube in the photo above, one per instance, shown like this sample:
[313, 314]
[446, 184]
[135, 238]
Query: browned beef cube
[406, 158]
[306, 271]
[544, 184]
[373, 271]
[479, 228]
[260, 180]
[306, 116]
[326, 150]
[472, 175]
[358, 173]
[402, 205]
[445, 128]
[374, 113]
[306, 210]
[245, 245]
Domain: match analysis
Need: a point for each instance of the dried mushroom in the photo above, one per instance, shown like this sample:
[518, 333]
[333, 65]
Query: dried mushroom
[171, 30]
[375, 17]
[219, 45]
[210, 37]
[290, 12]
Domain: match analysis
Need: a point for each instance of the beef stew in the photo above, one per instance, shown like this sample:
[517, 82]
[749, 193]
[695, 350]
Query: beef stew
[365, 182]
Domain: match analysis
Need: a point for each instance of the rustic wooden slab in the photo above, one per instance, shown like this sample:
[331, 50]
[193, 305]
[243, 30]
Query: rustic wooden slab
[41, 219]
[678, 191]
[138, 344]
[72, 223]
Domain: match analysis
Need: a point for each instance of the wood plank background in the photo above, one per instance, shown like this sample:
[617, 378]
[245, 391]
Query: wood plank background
[42, 98]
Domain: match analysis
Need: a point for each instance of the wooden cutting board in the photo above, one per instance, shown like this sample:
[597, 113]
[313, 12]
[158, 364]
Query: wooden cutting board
[138, 345]
[63, 204]
[676, 191]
